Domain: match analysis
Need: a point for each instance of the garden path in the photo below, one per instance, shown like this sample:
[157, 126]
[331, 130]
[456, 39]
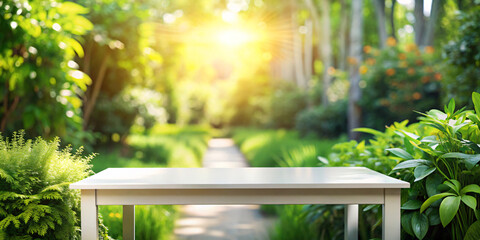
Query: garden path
[222, 222]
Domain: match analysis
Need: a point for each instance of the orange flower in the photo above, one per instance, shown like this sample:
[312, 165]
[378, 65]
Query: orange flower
[417, 95]
[352, 61]
[402, 56]
[367, 49]
[438, 76]
[391, 41]
[370, 61]
[363, 69]
[411, 71]
[384, 102]
[410, 47]
[425, 79]
[429, 49]
[428, 69]
[419, 62]
[390, 72]
[331, 71]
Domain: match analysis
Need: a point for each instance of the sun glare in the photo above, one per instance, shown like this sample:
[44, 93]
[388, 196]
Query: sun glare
[234, 37]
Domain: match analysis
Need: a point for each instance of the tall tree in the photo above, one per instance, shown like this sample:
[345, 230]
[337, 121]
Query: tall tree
[381, 21]
[355, 55]
[419, 25]
[342, 35]
[392, 19]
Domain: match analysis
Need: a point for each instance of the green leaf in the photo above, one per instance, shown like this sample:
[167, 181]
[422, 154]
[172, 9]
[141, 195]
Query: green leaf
[470, 160]
[412, 163]
[473, 232]
[470, 188]
[400, 153]
[476, 102]
[454, 185]
[431, 184]
[433, 199]
[412, 205]
[72, 8]
[423, 171]
[369, 130]
[433, 216]
[448, 209]
[420, 225]
[408, 146]
[469, 201]
[407, 223]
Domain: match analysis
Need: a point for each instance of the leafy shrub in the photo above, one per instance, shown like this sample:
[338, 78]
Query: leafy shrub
[462, 65]
[35, 200]
[287, 100]
[323, 121]
[396, 81]
[41, 83]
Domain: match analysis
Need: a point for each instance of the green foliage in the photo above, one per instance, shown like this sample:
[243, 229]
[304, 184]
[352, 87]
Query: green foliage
[323, 121]
[35, 200]
[292, 225]
[462, 66]
[396, 81]
[445, 169]
[267, 148]
[287, 100]
[39, 80]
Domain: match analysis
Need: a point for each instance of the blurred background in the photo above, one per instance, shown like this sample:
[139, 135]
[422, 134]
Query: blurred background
[148, 82]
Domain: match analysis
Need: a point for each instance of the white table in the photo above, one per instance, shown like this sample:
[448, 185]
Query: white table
[171, 186]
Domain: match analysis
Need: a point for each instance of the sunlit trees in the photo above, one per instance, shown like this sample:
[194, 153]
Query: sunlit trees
[40, 83]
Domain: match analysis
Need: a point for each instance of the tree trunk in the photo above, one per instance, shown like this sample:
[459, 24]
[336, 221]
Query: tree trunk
[355, 53]
[308, 51]
[342, 59]
[326, 46]
[381, 20]
[297, 55]
[92, 99]
[419, 25]
[432, 23]
[392, 20]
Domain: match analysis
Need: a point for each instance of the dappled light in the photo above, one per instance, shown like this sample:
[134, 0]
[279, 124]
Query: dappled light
[287, 88]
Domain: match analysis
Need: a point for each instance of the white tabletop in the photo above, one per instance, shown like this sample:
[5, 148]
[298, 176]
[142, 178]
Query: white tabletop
[232, 178]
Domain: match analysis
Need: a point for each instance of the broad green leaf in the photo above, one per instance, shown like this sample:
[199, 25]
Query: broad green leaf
[400, 153]
[369, 130]
[431, 184]
[407, 223]
[408, 146]
[473, 232]
[412, 163]
[476, 102]
[422, 171]
[433, 199]
[437, 114]
[470, 188]
[433, 216]
[412, 205]
[451, 107]
[474, 118]
[76, 47]
[71, 8]
[448, 209]
[470, 160]
[420, 225]
[469, 201]
[454, 185]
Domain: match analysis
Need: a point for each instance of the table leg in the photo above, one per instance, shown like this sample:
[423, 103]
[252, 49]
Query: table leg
[129, 222]
[351, 222]
[89, 214]
[391, 215]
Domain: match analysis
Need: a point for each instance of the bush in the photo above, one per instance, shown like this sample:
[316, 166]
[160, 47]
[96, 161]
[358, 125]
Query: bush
[463, 60]
[323, 121]
[396, 81]
[287, 100]
[35, 199]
